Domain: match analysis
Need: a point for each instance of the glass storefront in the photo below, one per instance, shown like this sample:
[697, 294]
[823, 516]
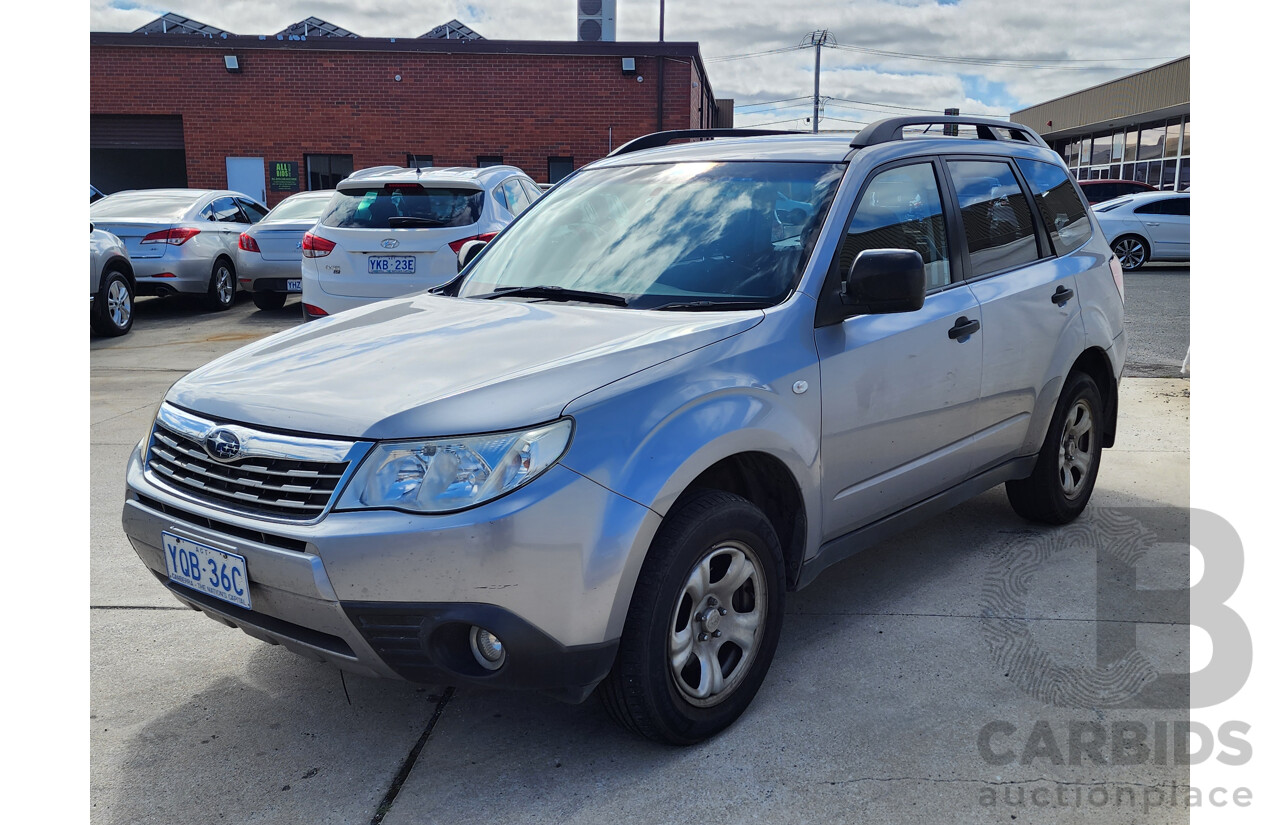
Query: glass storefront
[1158, 153]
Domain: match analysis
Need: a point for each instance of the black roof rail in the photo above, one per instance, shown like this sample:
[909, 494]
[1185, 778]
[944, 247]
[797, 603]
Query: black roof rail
[890, 129]
[663, 138]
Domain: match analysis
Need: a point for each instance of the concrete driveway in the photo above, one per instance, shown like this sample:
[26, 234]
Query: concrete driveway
[920, 682]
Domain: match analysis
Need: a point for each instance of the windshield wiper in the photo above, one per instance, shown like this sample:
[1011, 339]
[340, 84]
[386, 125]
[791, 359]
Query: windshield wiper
[556, 293]
[703, 306]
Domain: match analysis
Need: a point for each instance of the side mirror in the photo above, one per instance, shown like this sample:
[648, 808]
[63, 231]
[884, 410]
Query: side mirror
[90, 227]
[468, 251]
[883, 281]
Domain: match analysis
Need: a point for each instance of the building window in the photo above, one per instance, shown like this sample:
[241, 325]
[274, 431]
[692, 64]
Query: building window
[419, 161]
[324, 171]
[558, 169]
[1151, 142]
[488, 160]
[1131, 145]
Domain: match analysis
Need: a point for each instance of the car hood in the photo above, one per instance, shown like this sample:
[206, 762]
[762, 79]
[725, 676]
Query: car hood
[430, 365]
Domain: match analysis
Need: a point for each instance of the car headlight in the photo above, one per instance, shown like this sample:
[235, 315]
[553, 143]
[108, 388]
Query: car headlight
[441, 475]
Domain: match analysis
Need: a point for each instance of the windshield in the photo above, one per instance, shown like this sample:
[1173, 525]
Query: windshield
[403, 205]
[299, 208]
[154, 205]
[667, 234]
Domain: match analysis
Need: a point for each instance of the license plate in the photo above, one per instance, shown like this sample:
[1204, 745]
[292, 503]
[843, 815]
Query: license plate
[207, 569]
[392, 264]
[293, 285]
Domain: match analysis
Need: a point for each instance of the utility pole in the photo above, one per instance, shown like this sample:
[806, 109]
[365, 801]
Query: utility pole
[817, 39]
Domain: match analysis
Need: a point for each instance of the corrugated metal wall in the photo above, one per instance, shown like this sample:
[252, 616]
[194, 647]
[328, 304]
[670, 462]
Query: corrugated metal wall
[1156, 88]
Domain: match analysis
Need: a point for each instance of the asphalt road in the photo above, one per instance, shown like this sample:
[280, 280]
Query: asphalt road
[890, 667]
[1157, 319]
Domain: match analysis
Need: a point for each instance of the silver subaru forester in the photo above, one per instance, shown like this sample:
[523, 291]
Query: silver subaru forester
[679, 386]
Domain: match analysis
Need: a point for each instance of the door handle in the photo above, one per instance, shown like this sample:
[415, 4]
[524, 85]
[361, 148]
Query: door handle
[963, 328]
[1151, 223]
[1062, 295]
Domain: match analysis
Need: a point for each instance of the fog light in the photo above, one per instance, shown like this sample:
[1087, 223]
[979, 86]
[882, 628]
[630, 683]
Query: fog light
[487, 648]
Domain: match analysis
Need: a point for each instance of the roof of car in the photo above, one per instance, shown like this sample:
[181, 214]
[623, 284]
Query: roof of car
[1112, 180]
[435, 174]
[193, 193]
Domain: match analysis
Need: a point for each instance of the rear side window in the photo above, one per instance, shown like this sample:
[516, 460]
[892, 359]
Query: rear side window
[1065, 216]
[996, 215]
[226, 211]
[1168, 206]
[399, 206]
[517, 200]
[901, 209]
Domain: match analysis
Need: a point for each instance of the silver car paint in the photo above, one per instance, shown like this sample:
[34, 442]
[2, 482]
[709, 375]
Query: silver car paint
[191, 262]
[656, 397]
[104, 249]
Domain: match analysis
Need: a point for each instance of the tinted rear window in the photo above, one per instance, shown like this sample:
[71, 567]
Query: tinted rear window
[164, 206]
[397, 207]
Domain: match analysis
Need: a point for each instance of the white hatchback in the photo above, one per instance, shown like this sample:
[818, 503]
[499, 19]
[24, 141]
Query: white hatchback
[390, 231]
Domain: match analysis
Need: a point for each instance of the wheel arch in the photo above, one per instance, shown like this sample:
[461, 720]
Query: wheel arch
[767, 482]
[121, 264]
[1095, 363]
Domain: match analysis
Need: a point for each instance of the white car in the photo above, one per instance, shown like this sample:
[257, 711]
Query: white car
[111, 285]
[390, 231]
[1151, 226]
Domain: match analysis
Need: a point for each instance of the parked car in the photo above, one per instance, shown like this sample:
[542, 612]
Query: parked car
[1149, 226]
[1097, 191]
[111, 284]
[600, 457]
[270, 252]
[180, 240]
[391, 231]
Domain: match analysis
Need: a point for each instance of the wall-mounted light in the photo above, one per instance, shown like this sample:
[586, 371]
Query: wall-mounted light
[232, 62]
[628, 65]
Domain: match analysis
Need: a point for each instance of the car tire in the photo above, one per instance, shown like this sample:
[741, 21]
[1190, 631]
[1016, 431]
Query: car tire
[1131, 251]
[222, 286]
[269, 300]
[1060, 485]
[112, 312]
[710, 594]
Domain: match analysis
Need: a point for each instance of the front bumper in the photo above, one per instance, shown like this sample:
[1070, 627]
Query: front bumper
[389, 594]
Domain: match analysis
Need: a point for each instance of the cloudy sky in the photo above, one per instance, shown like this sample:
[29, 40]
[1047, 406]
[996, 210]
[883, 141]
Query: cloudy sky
[889, 56]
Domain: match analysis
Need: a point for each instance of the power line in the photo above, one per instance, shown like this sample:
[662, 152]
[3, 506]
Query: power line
[770, 102]
[1030, 63]
[865, 104]
[752, 54]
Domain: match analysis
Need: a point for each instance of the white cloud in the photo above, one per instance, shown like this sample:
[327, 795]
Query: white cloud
[997, 30]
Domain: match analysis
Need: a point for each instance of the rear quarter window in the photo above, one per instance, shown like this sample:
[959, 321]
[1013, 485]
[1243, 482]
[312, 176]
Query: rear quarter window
[1065, 215]
[398, 207]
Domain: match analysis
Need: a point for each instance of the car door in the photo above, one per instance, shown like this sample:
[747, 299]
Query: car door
[898, 391]
[1031, 326]
[1168, 225]
[229, 221]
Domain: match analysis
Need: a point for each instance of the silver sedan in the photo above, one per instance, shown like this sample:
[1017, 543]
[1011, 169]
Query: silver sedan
[270, 252]
[180, 240]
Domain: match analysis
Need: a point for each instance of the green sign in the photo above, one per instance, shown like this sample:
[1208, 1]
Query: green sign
[284, 175]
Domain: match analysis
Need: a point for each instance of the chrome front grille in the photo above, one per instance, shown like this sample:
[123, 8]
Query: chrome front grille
[275, 476]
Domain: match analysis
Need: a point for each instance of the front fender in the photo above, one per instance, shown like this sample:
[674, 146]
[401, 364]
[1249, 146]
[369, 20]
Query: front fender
[650, 435]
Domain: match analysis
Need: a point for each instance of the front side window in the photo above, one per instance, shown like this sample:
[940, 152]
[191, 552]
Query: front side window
[1065, 216]
[996, 215]
[403, 205]
[901, 209]
[251, 210]
[684, 236]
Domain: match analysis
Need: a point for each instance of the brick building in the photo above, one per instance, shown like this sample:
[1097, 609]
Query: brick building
[208, 111]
